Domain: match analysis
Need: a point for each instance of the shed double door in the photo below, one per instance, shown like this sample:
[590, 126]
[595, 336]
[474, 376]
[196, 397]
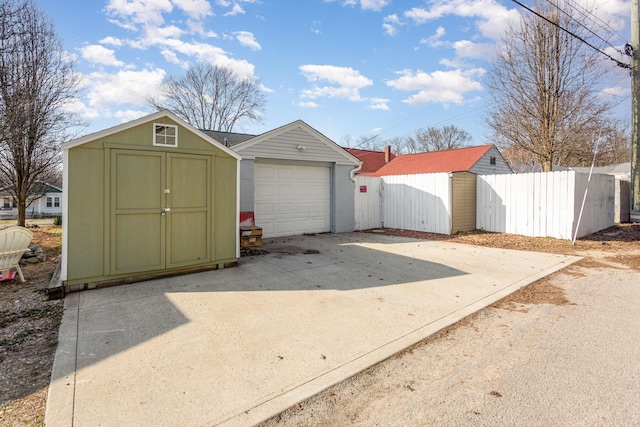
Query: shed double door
[160, 210]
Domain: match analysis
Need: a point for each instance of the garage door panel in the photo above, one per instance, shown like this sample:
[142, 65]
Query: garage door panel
[291, 199]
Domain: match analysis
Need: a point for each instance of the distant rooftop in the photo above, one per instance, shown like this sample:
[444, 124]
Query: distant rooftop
[228, 139]
[616, 169]
[371, 160]
[458, 160]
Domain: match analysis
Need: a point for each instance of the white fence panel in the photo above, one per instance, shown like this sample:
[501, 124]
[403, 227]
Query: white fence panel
[599, 208]
[368, 203]
[417, 202]
[544, 204]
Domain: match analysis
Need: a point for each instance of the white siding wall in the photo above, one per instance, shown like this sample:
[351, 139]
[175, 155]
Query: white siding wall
[484, 166]
[544, 204]
[368, 205]
[37, 206]
[283, 147]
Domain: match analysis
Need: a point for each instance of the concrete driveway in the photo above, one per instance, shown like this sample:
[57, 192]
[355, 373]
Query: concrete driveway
[236, 346]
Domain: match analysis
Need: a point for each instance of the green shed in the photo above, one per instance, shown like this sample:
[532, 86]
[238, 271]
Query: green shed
[145, 199]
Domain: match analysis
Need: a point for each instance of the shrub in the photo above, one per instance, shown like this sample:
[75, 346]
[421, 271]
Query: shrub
[57, 220]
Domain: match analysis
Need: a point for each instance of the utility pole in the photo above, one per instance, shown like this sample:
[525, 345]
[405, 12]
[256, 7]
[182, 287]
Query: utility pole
[635, 108]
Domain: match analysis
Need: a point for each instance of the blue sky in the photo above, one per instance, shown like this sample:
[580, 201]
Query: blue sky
[349, 68]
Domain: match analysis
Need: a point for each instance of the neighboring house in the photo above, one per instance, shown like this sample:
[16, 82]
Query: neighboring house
[371, 160]
[534, 167]
[481, 160]
[148, 198]
[294, 179]
[46, 202]
[622, 195]
[619, 170]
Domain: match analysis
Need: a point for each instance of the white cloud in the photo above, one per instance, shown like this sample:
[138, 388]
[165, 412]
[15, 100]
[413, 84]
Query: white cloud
[129, 115]
[235, 10]
[196, 9]
[439, 86]
[375, 5]
[129, 13]
[78, 107]
[247, 39]
[123, 87]
[469, 49]
[344, 82]
[390, 24]
[493, 17]
[112, 41]
[100, 55]
[616, 91]
[307, 104]
[378, 104]
[614, 12]
[434, 40]
[204, 52]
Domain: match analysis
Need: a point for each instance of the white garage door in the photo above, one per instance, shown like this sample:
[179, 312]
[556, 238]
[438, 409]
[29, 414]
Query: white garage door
[291, 200]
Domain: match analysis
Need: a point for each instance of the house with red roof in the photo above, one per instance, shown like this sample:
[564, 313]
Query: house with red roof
[481, 160]
[371, 160]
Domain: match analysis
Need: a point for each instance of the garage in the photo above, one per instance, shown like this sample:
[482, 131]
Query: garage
[292, 199]
[294, 180]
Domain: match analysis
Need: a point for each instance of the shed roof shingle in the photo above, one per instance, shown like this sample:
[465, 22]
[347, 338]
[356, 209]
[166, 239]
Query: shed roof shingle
[461, 159]
[228, 139]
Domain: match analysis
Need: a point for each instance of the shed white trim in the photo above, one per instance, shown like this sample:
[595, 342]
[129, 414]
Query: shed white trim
[142, 120]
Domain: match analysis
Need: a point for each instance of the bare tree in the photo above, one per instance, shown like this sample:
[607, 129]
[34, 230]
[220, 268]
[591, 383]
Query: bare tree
[606, 141]
[212, 97]
[37, 83]
[438, 139]
[544, 85]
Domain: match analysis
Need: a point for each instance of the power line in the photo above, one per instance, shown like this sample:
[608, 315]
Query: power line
[595, 19]
[618, 63]
[583, 13]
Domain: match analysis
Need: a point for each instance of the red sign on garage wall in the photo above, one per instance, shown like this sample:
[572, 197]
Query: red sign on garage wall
[363, 188]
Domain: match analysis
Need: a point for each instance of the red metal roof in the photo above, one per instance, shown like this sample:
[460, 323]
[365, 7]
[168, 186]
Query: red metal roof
[371, 160]
[461, 159]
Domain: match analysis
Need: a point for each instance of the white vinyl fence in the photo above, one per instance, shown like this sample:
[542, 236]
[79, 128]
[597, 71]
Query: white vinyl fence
[409, 202]
[368, 202]
[535, 204]
[544, 204]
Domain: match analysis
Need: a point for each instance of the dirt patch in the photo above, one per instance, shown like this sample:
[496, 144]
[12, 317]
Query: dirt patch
[29, 326]
[622, 237]
[631, 261]
[538, 292]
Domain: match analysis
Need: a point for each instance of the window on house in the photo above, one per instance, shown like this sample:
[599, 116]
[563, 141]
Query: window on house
[492, 160]
[165, 135]
[56, 202]
[49, 202]
[6, 204]
[15, 205]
